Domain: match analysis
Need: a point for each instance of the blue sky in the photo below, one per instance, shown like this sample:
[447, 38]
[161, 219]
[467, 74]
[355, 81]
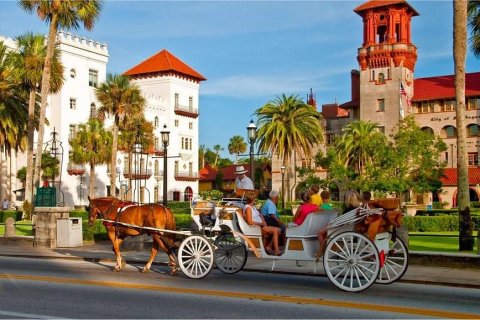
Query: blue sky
[252, 51]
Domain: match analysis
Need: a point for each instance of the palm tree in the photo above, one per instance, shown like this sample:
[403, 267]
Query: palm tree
[201, 155]
[135, 129]
[121, 99]
[217, 149]
[66, 14]
[355, 147]
[236, 146]
[287, 125]
[474, 24]
[28, 62]
[459, 57]
[13, 110]
[91, 143]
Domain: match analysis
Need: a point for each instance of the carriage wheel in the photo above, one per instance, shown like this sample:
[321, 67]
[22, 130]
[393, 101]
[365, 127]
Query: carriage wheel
[396, 262]
[351, 261]
[230, 254]
[195, 257]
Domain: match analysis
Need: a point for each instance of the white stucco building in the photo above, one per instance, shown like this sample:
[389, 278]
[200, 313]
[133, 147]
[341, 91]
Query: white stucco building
[171, 89]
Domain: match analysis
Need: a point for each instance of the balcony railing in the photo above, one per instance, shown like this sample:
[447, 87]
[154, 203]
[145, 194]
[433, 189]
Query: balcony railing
[186, 111]
[137, 174]
[186, 176]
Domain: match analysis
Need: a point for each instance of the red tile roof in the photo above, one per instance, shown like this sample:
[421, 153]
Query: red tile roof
[372, 4]
[350, 104]
[443, 87]
[333, 111]
[450, 176]
[207, 173]
[164, 62]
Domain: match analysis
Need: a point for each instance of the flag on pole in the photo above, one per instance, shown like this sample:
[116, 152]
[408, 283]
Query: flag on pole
[404, 93]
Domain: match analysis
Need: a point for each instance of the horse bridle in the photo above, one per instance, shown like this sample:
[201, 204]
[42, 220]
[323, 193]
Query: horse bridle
[102, 214]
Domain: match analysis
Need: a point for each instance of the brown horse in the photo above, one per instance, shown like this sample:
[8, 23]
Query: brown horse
[147, 215]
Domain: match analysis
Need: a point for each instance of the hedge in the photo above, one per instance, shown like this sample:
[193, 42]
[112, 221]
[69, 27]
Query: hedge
[5, 214]
[436, 223]
[436, 212]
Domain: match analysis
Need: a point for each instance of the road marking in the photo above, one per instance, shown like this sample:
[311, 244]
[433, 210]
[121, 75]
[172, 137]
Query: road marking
[24, 315]
[250, 296]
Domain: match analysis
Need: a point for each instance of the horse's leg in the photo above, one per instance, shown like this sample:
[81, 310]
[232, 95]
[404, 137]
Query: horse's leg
[171, 256]
[153, 254]
[116, 241]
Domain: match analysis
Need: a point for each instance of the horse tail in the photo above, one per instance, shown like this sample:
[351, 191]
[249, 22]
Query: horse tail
[169, 225]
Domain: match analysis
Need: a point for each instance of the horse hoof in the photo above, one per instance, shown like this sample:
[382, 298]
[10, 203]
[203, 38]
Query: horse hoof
[144, 270]
[116, 269]
[173, 272]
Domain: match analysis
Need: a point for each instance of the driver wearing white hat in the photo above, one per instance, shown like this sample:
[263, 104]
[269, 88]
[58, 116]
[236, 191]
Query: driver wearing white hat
[242, 181]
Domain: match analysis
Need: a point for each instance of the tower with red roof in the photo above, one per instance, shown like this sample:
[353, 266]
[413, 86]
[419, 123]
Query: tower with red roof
[387, 60]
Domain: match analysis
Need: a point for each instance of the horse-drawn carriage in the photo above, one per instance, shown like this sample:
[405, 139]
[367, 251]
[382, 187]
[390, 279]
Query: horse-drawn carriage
[221, 237]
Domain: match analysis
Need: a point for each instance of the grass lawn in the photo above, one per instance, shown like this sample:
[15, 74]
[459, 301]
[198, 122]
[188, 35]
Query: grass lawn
[23, 228]
[436, 241]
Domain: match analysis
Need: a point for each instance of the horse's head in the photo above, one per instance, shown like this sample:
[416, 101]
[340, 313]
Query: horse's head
[99, 207]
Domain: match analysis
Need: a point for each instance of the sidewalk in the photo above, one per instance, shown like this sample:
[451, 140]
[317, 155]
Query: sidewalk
[424, 267]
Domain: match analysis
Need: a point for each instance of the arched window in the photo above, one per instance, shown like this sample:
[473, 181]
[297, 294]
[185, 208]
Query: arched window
[448, 132]
[472, 130]
[155, 123]
[187, 194]
[93, 111]
[381, 78]
[428, 129]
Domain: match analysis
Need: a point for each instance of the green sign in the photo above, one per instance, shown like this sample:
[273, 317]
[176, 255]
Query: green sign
[46, 197]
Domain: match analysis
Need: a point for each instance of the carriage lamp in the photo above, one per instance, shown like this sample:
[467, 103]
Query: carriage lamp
[282, 170]
[165, 139]
[252, 136]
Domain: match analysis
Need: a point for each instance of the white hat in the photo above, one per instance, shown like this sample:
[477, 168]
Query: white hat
[240, 170]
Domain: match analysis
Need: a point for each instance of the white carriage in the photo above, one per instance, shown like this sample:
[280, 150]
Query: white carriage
[352, 262]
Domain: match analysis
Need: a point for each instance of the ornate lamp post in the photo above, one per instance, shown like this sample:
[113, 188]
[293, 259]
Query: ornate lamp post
[165, 139]
[252, 136]
[137, 149]
[282, 170]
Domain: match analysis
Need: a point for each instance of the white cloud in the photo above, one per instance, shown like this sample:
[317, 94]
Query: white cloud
[242, 85]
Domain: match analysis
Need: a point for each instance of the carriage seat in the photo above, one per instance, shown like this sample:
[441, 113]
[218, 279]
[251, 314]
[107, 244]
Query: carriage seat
[312, 224]
[247, 229]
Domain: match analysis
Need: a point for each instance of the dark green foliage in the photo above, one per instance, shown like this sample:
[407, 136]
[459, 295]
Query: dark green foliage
[5, 214]
[436, 224]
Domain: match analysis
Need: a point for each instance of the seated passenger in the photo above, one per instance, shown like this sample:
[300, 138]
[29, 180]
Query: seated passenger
[326, 205]
[254, 217]
[304, 209]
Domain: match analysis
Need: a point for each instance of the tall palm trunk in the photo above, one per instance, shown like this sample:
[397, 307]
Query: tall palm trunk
[91, 186]
[30, 137]
[459, 56]
[113, 163]
[52, 38]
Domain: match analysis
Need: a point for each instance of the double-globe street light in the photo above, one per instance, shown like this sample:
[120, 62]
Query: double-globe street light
[252, 136]
[165, 139]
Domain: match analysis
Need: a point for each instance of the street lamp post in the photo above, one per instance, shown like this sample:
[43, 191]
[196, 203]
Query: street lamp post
[252, 136]
[165, 139]
[138, 168]
[282, 169]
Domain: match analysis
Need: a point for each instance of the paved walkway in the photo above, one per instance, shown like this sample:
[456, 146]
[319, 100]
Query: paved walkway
[425, 267]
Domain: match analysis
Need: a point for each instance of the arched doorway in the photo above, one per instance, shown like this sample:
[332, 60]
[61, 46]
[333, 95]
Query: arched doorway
[472, 194]
[187, 194]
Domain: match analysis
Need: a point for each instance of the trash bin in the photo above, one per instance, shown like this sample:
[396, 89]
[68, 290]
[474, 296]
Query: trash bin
[69, 232]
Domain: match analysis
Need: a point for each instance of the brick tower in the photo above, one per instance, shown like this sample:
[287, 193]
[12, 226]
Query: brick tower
[387, 61]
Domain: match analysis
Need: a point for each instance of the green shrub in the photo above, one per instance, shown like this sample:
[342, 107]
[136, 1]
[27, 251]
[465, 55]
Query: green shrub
[183, 221]
[174, 205]
[5, 214]
[212, 195]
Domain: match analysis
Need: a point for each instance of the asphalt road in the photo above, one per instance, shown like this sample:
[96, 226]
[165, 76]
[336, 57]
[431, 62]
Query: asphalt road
[45, 288]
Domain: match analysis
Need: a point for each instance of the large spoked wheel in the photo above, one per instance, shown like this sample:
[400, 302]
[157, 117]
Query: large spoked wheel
[195, 257]
[396, 262]
[351, 261]
[230, 254]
